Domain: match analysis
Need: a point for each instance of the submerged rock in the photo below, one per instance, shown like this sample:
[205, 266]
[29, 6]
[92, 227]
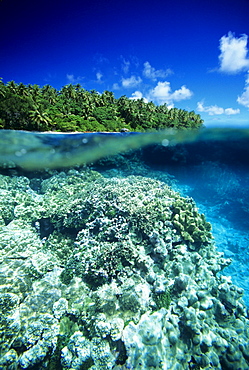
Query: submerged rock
[113, 273]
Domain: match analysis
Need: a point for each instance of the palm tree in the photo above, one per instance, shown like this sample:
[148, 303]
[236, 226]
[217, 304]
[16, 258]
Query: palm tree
[12, 87]
[68, 91]
[195, 119]
[22, 90]
[162, 109]
[108, 97]
[49, 93]
[41, 119]
[95, 97]
[35, 92]
[2, 89]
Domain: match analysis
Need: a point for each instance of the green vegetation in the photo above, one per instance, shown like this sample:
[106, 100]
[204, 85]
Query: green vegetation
[162, 299]
[34, 108]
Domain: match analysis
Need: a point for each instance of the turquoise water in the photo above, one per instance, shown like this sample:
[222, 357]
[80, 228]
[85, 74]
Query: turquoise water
[124, 251]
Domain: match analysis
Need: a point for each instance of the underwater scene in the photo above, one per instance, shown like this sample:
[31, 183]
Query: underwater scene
[124, 251]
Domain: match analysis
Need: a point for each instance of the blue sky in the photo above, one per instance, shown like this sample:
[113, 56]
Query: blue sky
[189, 54]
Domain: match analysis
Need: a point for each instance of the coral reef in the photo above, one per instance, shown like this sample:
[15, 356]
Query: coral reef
[113, 273]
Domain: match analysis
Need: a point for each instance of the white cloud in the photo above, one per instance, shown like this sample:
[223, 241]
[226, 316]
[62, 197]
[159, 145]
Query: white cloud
[74, 80]
[233, 56]
[99, 76]
[215, 110]
[138, 95]
[231, 111]
[211, 110]
[154, 74]
[244, 97]
[132, 81]
[162, 94]
[126, 66]
[182, 94]
[115, 86]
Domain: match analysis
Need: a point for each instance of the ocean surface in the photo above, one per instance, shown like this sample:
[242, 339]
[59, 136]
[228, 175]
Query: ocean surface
[209, 168]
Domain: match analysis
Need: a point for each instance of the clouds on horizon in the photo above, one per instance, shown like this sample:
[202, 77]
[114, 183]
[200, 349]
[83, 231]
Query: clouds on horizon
[150, 84]
[162, 94]
[215, 110]
[243, 99]
[148, 72]
[138, 95]
[233, 60]
[233, 57]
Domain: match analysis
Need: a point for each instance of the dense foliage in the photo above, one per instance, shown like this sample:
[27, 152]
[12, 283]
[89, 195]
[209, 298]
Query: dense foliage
[34, 108]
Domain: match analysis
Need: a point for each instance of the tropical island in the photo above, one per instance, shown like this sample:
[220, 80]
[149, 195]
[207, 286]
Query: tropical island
[74, 109]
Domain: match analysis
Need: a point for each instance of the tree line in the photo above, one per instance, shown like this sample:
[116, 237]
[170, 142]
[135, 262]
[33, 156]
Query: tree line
[72, 108]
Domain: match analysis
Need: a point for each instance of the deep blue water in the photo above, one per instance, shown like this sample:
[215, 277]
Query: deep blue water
[215, 174]
[214, 171]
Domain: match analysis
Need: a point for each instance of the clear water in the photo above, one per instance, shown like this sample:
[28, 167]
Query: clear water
[210, 166]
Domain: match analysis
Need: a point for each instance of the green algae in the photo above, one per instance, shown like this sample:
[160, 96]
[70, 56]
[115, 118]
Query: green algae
[192, 226]
[162, 299]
